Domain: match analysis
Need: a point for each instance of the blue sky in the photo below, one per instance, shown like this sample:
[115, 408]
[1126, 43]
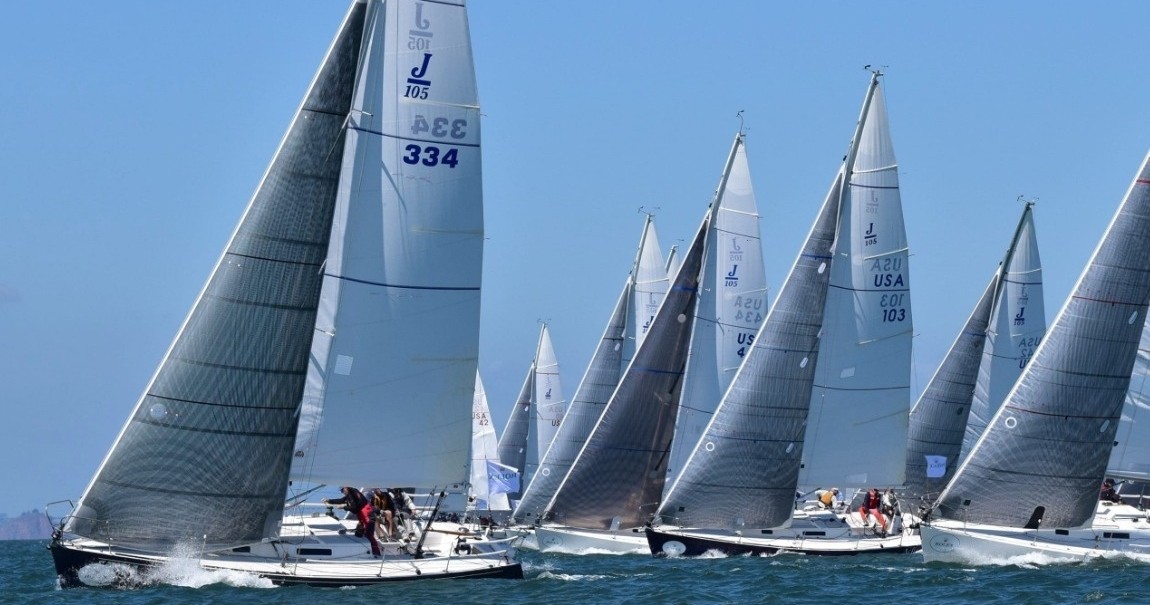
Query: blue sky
[133, 133]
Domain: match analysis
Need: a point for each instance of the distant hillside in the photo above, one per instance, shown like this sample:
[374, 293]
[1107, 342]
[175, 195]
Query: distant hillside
[32, 525]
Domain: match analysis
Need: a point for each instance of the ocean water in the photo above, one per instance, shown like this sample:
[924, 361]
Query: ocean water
[27, 577]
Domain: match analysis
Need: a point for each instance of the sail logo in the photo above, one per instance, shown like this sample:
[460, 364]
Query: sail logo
[732, 280]
[419, 38]
[736, 252]
[1020, 320]
[870, 238]
[547, 395]
[1023, 297]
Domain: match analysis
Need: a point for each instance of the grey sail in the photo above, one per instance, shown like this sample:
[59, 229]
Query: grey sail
[940, 419]
[618, 476]
[207, 450]
[744, 468]
[1045, 452]
[732, 303]
[1017, 325]
[515, 441]
[599, 381]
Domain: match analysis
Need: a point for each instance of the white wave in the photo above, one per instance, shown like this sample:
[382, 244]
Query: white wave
[571, 577]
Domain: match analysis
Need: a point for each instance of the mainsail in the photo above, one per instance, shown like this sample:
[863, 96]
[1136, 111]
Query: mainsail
[745, 466]
[1045, 452]
[599, 381]
[1017, 326]
[618, 475]
[407, 238]
[731, 307]
[547, 401]
[939, 419]
[861, 397]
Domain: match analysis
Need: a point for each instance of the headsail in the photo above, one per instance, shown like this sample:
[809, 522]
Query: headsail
[212, 435]
[732, 303]
[1044, 454]
[617, 478]
[861, 398]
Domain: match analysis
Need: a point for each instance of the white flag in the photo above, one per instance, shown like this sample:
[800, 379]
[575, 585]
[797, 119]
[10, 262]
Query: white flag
[501, 479]
[935, 466]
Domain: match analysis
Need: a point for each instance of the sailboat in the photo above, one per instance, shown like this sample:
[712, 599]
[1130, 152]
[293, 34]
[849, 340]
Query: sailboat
[827, 361]
[536, 416]
[985, 360]
[1030, 485]
[489, 479]
[730, 305]
[617, 477]
[626, 329]
[334, 343]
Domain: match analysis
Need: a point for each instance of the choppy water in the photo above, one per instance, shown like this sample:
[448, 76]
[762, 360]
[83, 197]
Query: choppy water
[27, 576]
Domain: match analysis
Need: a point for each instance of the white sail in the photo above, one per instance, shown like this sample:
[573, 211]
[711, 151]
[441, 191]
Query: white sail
[407, 237]
[547, 399]
[650, 285]
[1045, 452]
[1131, 456]
[484, 449]
[861, 397]
[1017, 326]
[731, 307]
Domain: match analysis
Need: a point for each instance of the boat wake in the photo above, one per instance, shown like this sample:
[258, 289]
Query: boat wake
[1036, 560]
[181, 569]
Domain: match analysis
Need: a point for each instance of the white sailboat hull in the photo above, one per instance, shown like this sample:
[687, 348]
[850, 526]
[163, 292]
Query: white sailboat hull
[573, 541]
[812, 533]
[311, 551]
[1117, 530]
